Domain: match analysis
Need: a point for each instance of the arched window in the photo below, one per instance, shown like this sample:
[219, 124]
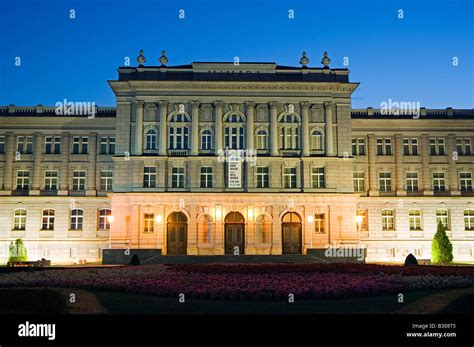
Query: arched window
[178, 135]
[104, 222]
[262, 139]
[48, 219]
[206, 139]
[151, 139]
[19, 219]
[205, 228]
[77, 219]
[263, 228]
[289, 130]
[234, 131]
[469, 220]
[316, 140]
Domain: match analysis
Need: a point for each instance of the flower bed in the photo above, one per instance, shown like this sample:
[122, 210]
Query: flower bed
[246, 281]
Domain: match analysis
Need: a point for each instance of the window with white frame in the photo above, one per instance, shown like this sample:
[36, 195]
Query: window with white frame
[80, 144]
[359, 181]
[317, 177]
[358, 146]
[384, 146]
[50, 180]
[23, 180]
[52, 145]
[206, 139]
[469, 220]
[177, 177]
[263, 177]
[316, 140]
[104, 220]
[319, 223]
[149, 177]
[463, 146]
[206, 176]
[385, 181]
[77, 219]
[48, 219]
[439, 182]
[178, 132]
[437, 146]
[106, 180]
[25, 144]
[150, 139]
[289, 177]
[415, 219]
[79, 180]
[289, 130]
[410, 146]
[234, 131]
[465, 181]
[19, 219]
[148, 223]
[262, 139]
[388, 220]
[107, 145]
[442, 217]
[411, 182]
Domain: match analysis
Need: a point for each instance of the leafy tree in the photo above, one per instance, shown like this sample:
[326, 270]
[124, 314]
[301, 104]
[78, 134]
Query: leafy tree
[17, 251]
[441, 247]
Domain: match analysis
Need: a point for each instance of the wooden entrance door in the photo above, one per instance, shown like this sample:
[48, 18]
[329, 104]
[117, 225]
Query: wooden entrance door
[177, 234]
[234, 234]
[291, 234]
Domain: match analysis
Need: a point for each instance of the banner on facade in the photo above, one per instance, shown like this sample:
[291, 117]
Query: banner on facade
[234, 169]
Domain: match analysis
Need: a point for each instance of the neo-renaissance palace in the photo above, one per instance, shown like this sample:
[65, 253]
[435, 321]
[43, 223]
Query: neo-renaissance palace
[153, 172]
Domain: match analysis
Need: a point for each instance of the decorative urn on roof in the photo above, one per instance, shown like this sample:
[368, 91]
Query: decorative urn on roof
[141, 58]
[326, 61]
[163, 59]
[304, 60]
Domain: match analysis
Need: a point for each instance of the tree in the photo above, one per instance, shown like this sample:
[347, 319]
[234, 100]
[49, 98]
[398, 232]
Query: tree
[17, 251]
[441, 247]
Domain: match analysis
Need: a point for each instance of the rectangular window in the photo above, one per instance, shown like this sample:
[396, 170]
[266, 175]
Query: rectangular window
[177, 177]
[359, 184]
[206, 176]
[48, 219]
[263, 179]
[361, 220]
[469, 220]
[103, 145]
[52, 145]
[19, 222]
[317, 177]
[465, 181]
[149, 177]
[388, 146]
[379, 146]
[319, 223]
[25, 144]
[411, 182]
[85, 144]
[415, 219]
[79, 181]
[439, 182]
[22, 180]
[384, 146]
[111, 145]
[437, 146]
[76, 142]
[442, 217]
[385, 181]
[51, 180]
[148, 223]
[77, 219]
[387, 220]
[289, 177]
[106, 180]
[2, 144]
[410, 146]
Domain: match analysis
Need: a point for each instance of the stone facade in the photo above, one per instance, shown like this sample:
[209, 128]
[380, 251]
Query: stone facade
[74, 185]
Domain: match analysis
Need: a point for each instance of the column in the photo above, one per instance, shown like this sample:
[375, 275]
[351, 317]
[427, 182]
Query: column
[92, 167]
[36, 186]
[371, 150]
[425, 162]
[163, 131]
[453, 182]
[64, 172]
[305, 128]
[250, 130]
[328, 109]
[400, 187]
[250, 231]
[274, 128]
[139, 127]
[218, 106]
[9, 157]
[195, 128]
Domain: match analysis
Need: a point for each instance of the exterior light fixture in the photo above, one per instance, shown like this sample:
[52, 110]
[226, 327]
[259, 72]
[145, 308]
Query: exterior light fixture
[218, 212]
[250, 212]
[310, 219]
[159, 218]
[110, 219]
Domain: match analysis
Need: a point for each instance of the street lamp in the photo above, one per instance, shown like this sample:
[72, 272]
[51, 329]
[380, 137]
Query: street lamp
[159, 218]
[359, 220]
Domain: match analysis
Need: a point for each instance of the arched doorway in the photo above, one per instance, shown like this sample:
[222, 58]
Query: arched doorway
[291, 233]
[234, 234]
[177, 233]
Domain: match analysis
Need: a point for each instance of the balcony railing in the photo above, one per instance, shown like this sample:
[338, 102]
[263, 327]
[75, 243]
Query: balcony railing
[178, 152]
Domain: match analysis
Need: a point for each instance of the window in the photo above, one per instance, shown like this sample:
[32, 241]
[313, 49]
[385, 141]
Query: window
[106, 180]
[289, 131]
[463, 146]
[411, 182]
[77, 219]
[51, 180]
[151, 139]
[289, 177]
[107, 145]
[469, 220]
[104, 222]
[359, 184]
[319, 223]
[80, 145]
[52, 145]
[148, 223]
[415, 219]
[384, 146]
[2, 144]
[362, 215]
[358, 146]
[317, 177]
[263, 179]
[206, 176]
[177, 177]
[149, 177]
[385, 181]
[79, 180]
[316, 140]
[262, 139]
[439, 182]
[25, 144]
[442, 216]
[48, 219]
[387, 220]
[234, 134]
[178, 135]
[263, 229]
[437, 146]
[206, 140]
[111, 145]
[465, 181]
[19, 216]
[410, 146]
[23, 180]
